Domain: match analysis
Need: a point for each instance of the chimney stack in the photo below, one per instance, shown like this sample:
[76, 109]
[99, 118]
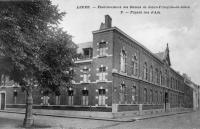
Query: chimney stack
[108, 21]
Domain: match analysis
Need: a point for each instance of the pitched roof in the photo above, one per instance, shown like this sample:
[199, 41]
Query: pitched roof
[84, 45]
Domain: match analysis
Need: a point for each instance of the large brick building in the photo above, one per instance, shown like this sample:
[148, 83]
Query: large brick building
[117, 72]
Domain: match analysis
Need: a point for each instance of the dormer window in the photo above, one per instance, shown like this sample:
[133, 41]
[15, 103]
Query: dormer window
[87, 52]
[102, 49]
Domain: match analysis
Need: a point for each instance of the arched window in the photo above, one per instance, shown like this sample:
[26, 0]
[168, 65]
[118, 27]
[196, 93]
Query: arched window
[123, 61]
[134, 66]
[161, 80]
[157, 76]
[134, 94]
[145, 71]
[151, 96]
[151, 73]
[156, 96]
[145, 95]
[166, 78]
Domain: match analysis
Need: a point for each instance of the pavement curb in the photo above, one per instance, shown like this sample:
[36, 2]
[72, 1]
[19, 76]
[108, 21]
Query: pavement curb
[103, 119]
[171, 114]
[92, 118]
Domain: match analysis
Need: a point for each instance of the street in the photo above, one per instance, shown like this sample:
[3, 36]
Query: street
[180, 121]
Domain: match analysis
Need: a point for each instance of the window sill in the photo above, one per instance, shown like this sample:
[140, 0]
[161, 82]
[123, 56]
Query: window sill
[85, 82]
[103, 56]
[103, 81]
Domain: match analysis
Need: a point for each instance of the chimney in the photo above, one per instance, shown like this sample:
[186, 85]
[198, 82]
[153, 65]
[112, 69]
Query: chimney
[108, 21]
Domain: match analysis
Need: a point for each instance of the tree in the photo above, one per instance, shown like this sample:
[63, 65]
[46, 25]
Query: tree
[34, 51]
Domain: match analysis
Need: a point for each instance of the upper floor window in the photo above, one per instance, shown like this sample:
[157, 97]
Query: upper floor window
[134, 66]
[85, 75]
[4, 80]
[102, 48]
[157, 76]
[161, 78]
[171, 82]
[123, 61]
[145, 71]
[151, 73]
[87, 53]
[102, 73]
[166, 78]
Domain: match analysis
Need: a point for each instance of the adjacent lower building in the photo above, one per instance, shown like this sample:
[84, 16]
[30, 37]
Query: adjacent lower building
[116, 73]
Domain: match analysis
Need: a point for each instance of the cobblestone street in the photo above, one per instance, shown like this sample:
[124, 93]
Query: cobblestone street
[180, 121]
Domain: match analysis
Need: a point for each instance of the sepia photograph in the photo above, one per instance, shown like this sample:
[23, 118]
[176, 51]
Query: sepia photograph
[99, 64]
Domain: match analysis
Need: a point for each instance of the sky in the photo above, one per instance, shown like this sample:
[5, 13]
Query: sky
[179, 27]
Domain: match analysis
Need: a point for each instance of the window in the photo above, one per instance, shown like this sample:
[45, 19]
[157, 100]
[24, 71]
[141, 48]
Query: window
[156, 96]
[151, 96]
[70, 96]
[161, 81]
[145, 95]
[145, 71]
[87, 52]
[102, 73]
[157, 76]
[161, 97]
[134, 66]
[15, 96]
[134, 94]
[85, 75]
[4, 80]
[151, 74]
[166, 78]
[102, 48]
[171, 82]
[122, 93]
[123, 61]
[102, 97]
[85, 97]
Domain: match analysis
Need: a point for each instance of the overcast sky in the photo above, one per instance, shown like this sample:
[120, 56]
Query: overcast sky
[180, 28]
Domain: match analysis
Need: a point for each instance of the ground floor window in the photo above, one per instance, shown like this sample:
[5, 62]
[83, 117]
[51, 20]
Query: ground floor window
[145, 95]
[102, 97]
[85, 97]
[70, 97]
[151, 96]
[2, 101]
[45, 100]
[15, 96]
[134, 94]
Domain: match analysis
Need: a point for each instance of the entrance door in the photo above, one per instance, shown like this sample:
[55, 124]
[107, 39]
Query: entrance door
[2, 101]
[166, 100]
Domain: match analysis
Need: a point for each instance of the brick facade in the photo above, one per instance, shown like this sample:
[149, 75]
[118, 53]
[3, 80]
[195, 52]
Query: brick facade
[116, 69]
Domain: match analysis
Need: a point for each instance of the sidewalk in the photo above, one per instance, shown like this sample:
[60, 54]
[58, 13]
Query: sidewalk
[53, 113]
